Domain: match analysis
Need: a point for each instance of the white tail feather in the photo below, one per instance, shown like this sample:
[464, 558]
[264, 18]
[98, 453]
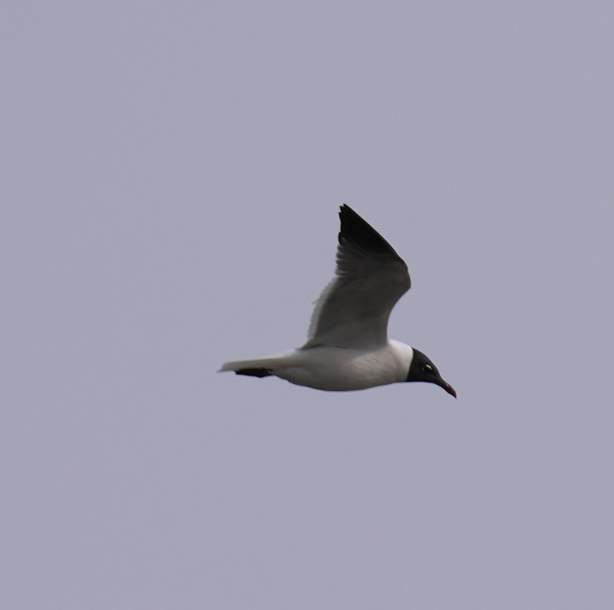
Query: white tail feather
[260, 363]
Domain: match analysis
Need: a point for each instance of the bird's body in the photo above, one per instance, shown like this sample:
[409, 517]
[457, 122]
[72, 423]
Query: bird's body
[335, 369]
[348, 347]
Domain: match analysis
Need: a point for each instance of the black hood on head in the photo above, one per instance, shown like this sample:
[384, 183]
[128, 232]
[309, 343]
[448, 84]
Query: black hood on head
[423, 369]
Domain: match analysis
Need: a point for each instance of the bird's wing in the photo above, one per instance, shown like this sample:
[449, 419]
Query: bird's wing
[370, 278]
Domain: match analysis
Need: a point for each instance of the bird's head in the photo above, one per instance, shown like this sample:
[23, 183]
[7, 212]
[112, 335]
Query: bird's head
[422, 369]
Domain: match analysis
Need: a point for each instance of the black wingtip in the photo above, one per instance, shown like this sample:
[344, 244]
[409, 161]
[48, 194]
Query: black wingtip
[254, 372]
[358, 232]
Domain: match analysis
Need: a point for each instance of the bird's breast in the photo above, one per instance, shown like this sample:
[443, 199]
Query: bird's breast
[341, 369]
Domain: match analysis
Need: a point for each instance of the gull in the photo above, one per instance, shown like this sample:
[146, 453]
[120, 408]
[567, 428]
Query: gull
[348, 346]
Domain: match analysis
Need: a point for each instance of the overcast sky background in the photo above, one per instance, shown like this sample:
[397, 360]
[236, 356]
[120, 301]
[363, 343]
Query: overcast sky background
[171, 176]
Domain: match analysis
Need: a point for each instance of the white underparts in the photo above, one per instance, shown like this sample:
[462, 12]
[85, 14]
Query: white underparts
[337, 368]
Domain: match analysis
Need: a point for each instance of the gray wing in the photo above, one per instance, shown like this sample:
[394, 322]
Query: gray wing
[370, 278]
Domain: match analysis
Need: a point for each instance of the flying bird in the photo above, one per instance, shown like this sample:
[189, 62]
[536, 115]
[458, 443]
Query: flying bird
[348, 346]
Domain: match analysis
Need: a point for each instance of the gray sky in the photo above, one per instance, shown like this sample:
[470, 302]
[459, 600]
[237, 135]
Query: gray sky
[171, 179]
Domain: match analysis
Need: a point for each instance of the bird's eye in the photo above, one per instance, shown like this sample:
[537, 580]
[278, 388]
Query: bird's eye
[427, 368]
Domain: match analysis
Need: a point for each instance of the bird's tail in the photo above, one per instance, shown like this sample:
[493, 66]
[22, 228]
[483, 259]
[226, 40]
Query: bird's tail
[261, 367]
